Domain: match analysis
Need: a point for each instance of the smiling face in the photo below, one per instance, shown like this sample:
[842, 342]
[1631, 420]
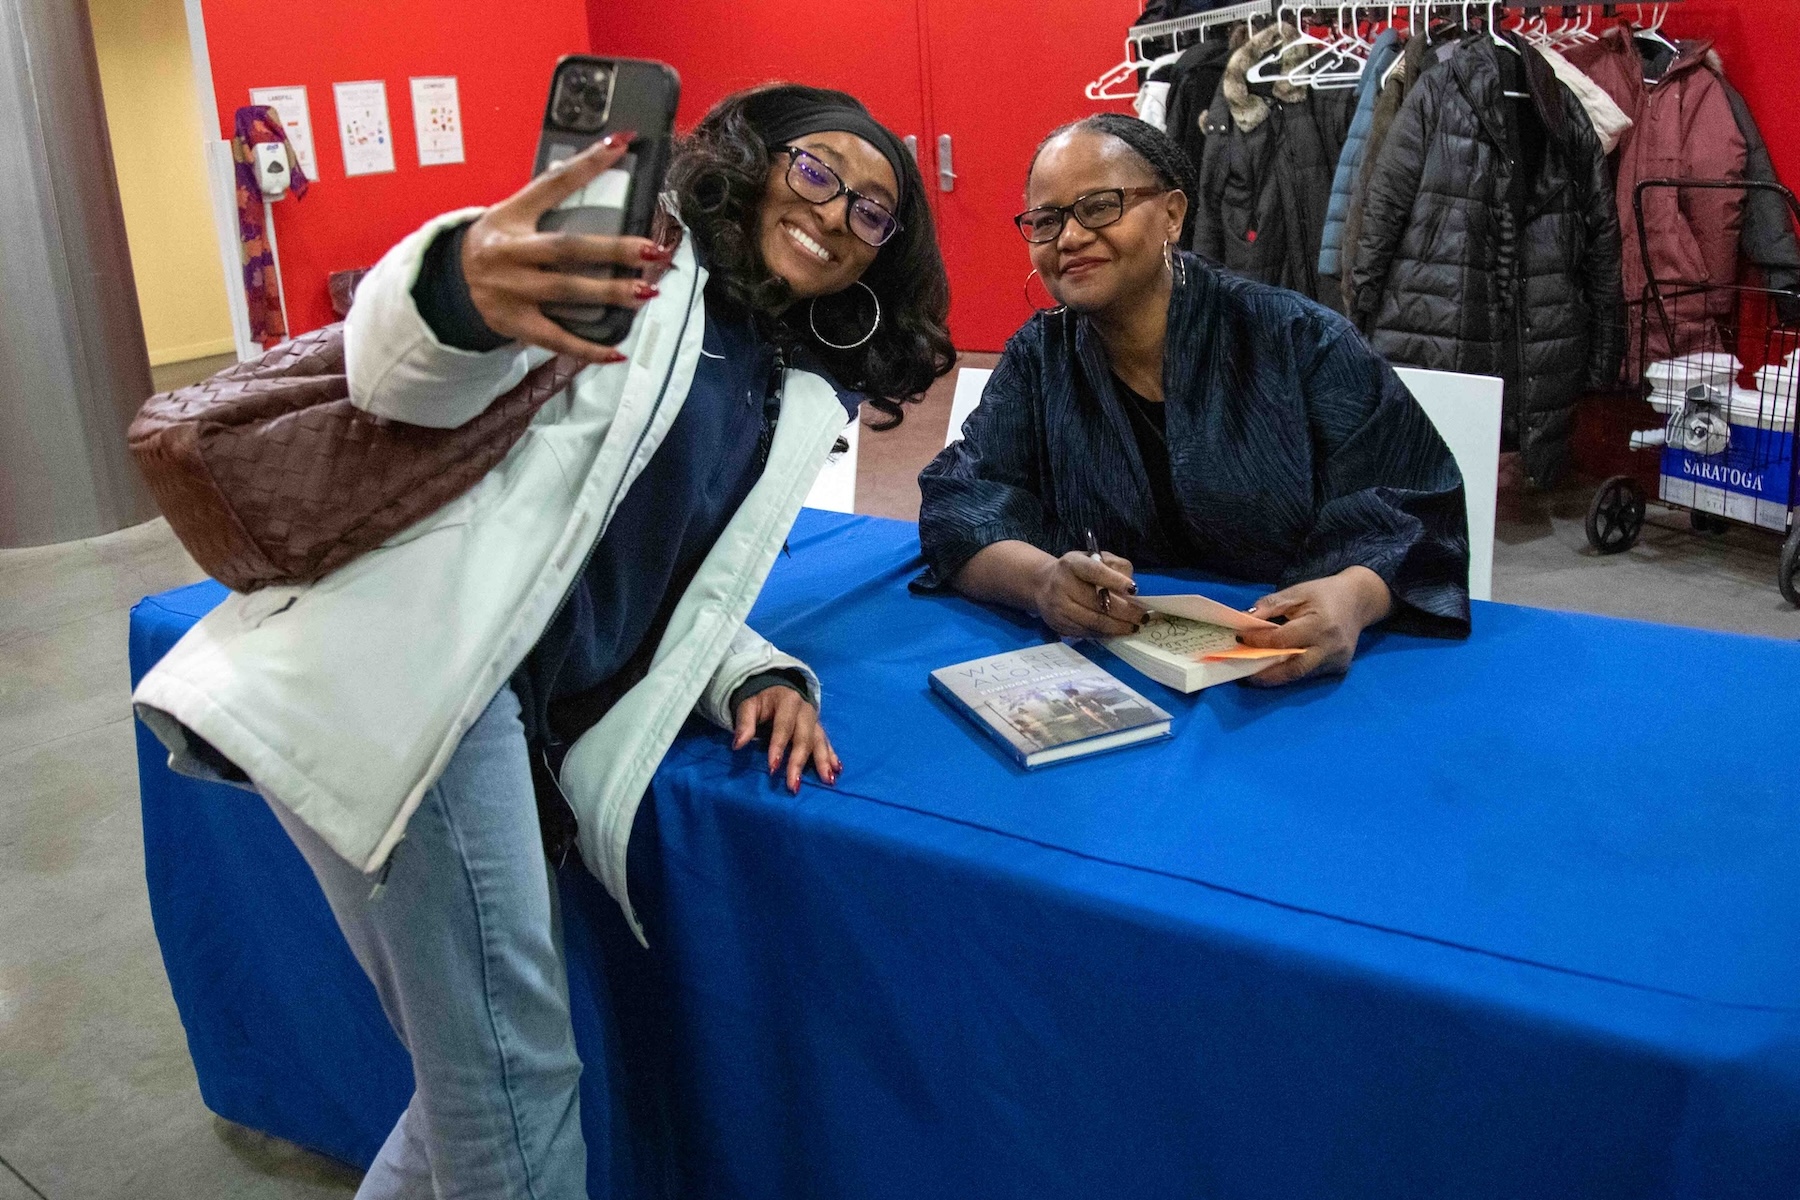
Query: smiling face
[1094, 270]
[810, 246]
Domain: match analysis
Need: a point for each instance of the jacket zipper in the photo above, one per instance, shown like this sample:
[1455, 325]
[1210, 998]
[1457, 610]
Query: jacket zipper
[543, 715]
[613, 501]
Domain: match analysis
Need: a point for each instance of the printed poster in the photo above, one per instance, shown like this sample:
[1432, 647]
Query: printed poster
[368, 138]
[290, 105]
[437, 120]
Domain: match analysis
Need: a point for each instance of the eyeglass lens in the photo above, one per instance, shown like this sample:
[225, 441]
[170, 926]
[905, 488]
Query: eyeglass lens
[817, 183]
[1095, 211]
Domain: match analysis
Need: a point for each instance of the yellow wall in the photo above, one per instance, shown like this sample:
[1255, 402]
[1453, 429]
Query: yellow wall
[154, 118]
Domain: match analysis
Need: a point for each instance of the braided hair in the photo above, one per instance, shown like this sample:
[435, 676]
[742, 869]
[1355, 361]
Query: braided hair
[1160, 152]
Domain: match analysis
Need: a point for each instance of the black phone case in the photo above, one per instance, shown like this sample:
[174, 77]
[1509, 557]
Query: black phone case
[644, 97]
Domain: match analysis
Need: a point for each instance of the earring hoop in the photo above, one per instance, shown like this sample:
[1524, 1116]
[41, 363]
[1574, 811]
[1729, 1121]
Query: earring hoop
[1174, 266]
[812, 319]
[1029, 303]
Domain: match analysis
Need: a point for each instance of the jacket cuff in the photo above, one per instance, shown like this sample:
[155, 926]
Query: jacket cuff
[943, 561]
[756, 685]
[397, 366]
[442, 295]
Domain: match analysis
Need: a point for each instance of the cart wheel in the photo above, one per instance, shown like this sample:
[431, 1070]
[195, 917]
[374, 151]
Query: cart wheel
[1707, 523]
[1616, 516]
[1789, 580]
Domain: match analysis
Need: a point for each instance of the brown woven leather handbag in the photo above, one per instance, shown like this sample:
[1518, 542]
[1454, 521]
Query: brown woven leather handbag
[269, 475]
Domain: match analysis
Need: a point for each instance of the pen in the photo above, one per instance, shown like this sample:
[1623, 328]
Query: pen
[1093, 550]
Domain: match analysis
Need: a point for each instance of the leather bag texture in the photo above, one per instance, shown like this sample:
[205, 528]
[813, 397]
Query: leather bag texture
[269, 475]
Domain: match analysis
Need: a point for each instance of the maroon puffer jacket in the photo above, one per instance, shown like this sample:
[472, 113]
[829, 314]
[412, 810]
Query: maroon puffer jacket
[1683, 128]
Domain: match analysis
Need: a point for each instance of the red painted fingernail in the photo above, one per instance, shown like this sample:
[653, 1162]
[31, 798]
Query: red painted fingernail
[623, 137]
[645, 291]
[611, 357]
[656, 254]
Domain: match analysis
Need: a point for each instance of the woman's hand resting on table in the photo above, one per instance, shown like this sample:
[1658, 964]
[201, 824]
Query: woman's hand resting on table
[1325, 617]
[513, 270]
[794, 731]
[1066, 594]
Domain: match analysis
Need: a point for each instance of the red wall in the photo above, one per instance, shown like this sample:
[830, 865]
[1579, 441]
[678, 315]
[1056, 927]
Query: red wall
[502, 62]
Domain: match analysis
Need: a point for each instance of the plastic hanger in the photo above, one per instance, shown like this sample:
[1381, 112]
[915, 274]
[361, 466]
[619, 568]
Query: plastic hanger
[1259, 71]
[1341, 63]
[1653, 32]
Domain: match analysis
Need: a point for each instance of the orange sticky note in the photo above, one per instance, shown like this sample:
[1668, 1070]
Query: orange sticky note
[1244, 653]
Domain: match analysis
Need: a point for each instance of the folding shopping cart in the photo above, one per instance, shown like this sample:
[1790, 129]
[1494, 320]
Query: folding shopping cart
[1718, 360]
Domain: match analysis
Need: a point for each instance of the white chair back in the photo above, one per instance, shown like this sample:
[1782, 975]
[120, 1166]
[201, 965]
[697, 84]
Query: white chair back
[969, 384]
[835, 488]
[1465, 409]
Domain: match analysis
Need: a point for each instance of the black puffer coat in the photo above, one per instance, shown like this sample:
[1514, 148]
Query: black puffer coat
[1490, 243]
[1266, 172]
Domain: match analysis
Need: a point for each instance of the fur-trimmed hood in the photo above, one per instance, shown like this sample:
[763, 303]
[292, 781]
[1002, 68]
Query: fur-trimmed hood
[1249, 110]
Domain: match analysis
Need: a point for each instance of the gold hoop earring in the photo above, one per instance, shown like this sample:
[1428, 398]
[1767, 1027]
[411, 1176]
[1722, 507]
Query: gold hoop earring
[1173, 265]
[1032, 305]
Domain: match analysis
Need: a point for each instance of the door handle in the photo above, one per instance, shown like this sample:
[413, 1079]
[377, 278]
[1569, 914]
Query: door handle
[946, 165]
[912, 146]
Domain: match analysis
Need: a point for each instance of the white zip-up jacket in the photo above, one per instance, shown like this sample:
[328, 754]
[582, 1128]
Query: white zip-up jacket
[344, 699]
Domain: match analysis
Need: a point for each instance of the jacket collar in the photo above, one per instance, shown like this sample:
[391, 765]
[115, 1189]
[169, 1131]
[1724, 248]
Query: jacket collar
[1476, 69]
[1691, 55]
[1128, 504]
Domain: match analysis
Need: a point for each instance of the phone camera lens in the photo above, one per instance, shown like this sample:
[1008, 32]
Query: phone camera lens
[583, 97]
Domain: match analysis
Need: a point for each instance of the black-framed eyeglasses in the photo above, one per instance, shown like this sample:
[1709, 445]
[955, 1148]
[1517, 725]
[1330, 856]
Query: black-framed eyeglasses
[814, 182]
[1096, 210]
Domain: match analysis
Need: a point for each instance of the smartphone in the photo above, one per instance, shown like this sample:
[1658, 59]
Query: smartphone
[590, 98]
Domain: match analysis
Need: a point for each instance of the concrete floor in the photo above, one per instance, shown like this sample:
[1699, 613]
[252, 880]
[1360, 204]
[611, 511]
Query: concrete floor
[97, 1096]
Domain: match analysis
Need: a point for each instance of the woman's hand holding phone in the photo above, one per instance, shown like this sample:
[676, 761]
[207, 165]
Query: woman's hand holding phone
[513, 270]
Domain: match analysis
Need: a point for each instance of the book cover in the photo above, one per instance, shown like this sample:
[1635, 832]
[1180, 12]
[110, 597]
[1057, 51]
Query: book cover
[1049, 703]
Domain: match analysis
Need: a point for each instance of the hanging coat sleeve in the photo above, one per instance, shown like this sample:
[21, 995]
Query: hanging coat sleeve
[1388, 203]
[1600, 274]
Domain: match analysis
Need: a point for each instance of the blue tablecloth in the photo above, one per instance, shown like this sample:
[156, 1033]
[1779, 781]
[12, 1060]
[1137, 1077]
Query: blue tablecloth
[1512, 917]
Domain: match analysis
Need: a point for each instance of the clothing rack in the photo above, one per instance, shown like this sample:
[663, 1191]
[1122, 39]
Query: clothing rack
[1124, 75]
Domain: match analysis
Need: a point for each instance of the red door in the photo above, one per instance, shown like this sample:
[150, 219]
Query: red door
[1002, 75]
[720, 46]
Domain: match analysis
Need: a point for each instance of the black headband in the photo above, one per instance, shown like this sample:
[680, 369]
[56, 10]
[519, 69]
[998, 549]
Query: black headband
[783, 114]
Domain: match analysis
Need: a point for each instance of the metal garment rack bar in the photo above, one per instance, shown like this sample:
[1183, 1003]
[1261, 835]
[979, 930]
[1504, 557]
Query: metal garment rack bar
[1124, 75]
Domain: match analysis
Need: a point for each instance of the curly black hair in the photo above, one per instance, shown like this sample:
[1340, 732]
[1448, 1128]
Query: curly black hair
[1161, 153]
[719, 175]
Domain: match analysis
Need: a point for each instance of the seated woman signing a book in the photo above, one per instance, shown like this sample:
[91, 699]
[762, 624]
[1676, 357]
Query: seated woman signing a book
[1182, 417]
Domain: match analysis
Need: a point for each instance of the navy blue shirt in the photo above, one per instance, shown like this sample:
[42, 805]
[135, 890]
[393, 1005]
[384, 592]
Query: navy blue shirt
[600, 643]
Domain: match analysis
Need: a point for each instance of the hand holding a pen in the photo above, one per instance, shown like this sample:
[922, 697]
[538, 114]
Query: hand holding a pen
[1088, 594]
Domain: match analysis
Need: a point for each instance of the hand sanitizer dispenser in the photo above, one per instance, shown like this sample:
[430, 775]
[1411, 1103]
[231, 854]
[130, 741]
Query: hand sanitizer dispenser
[272, 169]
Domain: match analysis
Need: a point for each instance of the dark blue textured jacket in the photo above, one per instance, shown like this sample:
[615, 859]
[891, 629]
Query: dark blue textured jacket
[1294, 450]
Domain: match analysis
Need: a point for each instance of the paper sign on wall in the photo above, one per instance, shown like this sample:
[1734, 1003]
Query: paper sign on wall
[290, 105]
[437, 120]
[368, 139]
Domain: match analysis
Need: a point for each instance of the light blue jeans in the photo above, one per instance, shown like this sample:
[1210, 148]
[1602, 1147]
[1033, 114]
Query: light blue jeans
[463, 943]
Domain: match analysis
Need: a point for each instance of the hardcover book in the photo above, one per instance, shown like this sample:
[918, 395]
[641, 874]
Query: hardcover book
[1049, 703]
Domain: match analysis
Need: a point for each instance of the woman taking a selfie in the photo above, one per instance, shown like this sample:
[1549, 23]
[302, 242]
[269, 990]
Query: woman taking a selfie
[564, 617]
[1188, 418]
